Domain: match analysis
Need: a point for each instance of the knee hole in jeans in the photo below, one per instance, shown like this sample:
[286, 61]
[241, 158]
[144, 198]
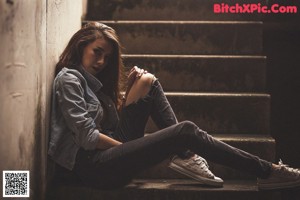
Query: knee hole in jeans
[140, 88]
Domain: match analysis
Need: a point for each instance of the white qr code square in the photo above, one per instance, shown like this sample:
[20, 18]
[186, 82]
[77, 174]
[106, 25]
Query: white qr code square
[15, 183]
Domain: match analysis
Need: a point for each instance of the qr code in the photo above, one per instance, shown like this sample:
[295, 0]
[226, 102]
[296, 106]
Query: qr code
[15, 183]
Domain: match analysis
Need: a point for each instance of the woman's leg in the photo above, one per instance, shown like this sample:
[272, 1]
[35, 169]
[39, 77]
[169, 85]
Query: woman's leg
[140, 88]
[162, 113]
[137, 109]
[117, 165]
[145, 98]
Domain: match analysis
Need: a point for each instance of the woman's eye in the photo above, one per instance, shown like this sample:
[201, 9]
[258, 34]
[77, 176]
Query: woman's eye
[97, 51]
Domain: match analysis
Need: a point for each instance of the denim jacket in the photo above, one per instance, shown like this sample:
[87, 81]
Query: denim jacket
[77, 112]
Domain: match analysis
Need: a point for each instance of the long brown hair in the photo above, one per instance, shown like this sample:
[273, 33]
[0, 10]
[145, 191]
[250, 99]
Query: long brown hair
[112, 76]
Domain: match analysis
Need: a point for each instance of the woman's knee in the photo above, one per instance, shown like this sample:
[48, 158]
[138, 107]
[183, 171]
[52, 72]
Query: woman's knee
[188, 124]
[184, 128]
[191, 129]
[140, 88]
[146, 80]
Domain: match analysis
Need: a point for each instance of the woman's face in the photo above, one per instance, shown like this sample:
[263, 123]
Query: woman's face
[96, 55]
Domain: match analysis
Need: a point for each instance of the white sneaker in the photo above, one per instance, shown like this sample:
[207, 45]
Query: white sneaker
[196, 168]
[280, 177]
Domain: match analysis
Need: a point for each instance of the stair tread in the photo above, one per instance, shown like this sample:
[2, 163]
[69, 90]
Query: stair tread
[249, 137]
[170, 189]
[189, 184]
[217, 94]
[242, 136]
[186, 184]
[165, 10]
[191, 56]
[189, 37]
[170, 22]
[204, 73]
[222, 113]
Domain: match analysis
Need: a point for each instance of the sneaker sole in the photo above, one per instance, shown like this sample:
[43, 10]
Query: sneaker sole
[200, 179]
[273, 186]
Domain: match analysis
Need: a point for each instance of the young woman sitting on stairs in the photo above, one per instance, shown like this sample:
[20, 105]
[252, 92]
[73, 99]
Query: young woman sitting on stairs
[99, 134]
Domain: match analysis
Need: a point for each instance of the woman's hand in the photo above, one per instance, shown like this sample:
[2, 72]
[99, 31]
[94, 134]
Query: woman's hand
[135, 73]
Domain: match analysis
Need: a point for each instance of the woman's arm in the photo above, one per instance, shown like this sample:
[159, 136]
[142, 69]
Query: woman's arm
[106, 142]
[74, 108]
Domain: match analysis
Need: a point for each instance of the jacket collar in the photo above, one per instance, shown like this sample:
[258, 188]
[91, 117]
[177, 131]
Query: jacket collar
[92, 81]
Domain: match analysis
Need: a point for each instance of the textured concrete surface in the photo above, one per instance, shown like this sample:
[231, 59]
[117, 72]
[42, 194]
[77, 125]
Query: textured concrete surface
[204, 73]
[169, 189]
[32, 35]
[166, 9]
[189, 37]
[22, 61]
[222, 113]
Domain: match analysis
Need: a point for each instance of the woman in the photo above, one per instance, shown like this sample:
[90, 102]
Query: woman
[99, 135]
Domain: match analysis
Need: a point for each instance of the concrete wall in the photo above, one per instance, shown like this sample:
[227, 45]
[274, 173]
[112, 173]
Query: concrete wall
[32, 35]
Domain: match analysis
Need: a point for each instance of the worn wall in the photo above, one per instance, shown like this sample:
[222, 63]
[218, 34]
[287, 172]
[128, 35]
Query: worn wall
[22, 67]
[63, 20]
[32, 35]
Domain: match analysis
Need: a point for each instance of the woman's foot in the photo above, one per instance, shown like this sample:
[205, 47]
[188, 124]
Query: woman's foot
[196, 168]
[281, 177]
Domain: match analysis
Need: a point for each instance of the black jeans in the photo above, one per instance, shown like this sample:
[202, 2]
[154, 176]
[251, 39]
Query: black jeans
[116, 166]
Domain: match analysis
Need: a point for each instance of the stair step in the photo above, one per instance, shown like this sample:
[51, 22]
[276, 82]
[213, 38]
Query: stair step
[222, 113]
[168, 189]
[165, 10]
[262, 146]
[204, 73]
[189, 37]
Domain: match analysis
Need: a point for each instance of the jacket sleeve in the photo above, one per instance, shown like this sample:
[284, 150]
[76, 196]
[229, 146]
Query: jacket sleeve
[70, 97]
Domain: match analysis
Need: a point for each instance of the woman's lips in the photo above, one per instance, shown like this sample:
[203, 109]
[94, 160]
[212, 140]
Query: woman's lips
[97, 68]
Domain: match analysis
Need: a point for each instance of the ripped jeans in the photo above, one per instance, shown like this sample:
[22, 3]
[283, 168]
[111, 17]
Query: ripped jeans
[116, 166]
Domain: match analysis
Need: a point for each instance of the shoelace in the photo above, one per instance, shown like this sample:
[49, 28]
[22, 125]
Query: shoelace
[200, 161]
[289, 169]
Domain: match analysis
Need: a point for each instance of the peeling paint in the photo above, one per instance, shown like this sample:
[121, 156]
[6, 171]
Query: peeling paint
[16, 94]
[11, 2]
[57, 3]
[10, 65]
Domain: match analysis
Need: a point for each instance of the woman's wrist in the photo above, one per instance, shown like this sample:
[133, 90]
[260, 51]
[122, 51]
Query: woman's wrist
[106, 142]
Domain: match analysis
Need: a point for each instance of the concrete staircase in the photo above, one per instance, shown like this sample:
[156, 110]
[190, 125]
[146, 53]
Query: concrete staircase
[213, 72]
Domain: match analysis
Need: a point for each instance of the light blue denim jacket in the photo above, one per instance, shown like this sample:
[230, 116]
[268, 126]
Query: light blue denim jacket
[78, 107]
